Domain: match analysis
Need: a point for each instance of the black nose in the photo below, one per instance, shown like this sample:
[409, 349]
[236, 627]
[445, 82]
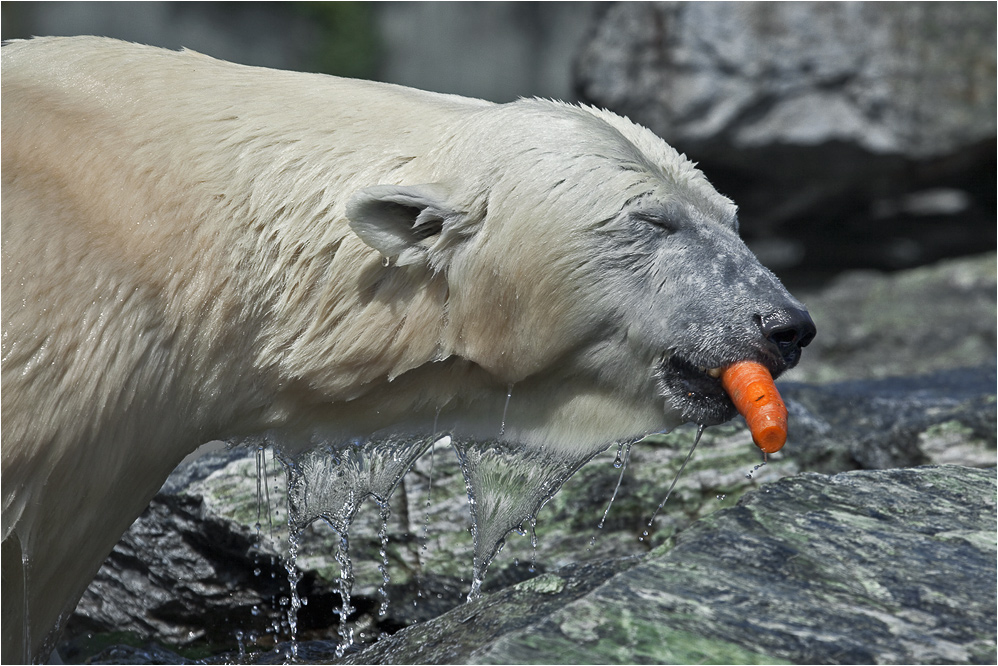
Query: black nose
[789, 329]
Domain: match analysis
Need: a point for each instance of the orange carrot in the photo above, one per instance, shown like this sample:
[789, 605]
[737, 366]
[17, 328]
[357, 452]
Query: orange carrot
[750, 386]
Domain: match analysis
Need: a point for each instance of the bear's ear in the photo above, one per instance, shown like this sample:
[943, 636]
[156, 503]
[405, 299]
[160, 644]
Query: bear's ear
[404, 223]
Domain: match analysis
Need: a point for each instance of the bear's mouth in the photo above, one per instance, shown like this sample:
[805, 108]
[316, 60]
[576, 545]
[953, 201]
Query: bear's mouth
[694, 390]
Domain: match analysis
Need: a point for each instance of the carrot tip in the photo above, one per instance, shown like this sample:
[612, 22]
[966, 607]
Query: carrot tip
[770, 438]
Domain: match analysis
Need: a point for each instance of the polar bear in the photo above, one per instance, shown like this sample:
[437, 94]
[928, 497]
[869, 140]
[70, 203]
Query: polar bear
[198, 250]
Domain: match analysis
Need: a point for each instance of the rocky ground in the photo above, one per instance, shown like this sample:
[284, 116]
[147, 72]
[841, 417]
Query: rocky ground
[860, 567]
[870, 538]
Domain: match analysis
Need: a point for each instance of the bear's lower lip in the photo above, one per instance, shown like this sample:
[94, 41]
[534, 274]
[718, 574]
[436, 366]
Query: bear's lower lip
[695, 391]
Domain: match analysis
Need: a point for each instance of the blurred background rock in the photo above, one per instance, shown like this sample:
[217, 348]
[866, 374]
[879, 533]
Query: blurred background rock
[494, 50]
[852, 135]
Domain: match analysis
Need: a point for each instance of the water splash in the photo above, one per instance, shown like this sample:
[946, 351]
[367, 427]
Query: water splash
[507, 486]
[331, 482]
[689, 455]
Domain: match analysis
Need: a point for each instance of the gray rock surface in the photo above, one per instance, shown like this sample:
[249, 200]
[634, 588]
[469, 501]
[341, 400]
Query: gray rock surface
[852, 135]
[177, 566]
[861, 567]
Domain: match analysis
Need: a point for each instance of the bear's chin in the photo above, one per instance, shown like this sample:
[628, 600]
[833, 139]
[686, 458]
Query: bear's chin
[693, 394]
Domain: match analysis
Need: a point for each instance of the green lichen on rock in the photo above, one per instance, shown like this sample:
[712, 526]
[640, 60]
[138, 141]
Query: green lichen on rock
[546, 584]
[955, 442]
[593, 639]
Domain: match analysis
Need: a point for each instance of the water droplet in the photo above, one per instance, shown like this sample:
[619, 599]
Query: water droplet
[618, 461]
[242, 646]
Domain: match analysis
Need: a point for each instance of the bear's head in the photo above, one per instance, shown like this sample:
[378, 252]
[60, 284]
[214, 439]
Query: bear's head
[592, 273]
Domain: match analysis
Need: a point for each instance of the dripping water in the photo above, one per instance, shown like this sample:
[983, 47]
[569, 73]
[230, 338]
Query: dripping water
[689, 455]
[502, 425]
[620, 462]
[476, 587]
[429, 498]
[507, 486]
[262, 492]
[383, 552]
[328, 479]
[294, 576]
[756, 469]
[346, 589]
[329, 483]
[533, 544]
[264, 506]
[425, 539]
